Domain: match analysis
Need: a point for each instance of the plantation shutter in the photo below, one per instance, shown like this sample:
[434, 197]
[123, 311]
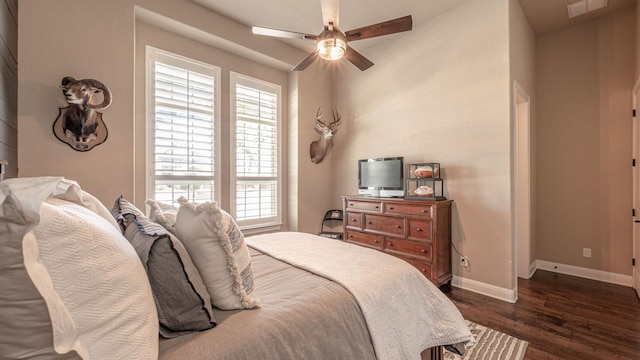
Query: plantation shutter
[257, 153]
[184, 130]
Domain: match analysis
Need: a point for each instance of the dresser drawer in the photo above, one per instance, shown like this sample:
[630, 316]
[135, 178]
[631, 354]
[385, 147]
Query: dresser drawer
[384, 224]
[422, 266]
[408, 248]
[419, 229]
[354, 220]
[374, 206]
[370, 240]
[408, 209]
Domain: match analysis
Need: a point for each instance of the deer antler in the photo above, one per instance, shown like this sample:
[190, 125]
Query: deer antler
[336, 120]
[319, 123]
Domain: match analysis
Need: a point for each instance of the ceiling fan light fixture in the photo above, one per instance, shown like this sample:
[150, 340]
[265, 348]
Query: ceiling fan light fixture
[331, 48]
[331, 44]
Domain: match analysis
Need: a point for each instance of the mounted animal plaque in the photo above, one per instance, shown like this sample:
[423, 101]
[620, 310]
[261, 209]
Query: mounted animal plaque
[80, 125]
[320, 147]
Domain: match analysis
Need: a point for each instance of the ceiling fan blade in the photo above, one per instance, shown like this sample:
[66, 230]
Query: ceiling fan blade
[305, 62]
[282, 33]
[383, 28]
[357, 59]
[330, 12]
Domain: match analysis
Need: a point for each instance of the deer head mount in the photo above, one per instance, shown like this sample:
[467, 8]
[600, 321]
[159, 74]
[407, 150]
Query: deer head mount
[320, 147]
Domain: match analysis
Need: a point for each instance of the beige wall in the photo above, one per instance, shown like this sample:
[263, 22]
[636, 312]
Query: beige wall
[107, 52]
[585, 77]
[441, 93]
[522, 52]
[309, 183]
[51, 49]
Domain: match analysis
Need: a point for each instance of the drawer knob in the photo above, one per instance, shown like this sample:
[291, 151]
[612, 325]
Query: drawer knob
[424, 211]
[375, 241]
[369, 222]
[377, 207]
[353, 220]
[390, 243]
[418, 229]
[350, 236]
[423, 270]
[390, 207]
[424, 251]
[398, 226]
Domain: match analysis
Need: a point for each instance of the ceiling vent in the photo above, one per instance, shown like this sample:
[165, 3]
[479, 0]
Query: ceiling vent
[585, 6]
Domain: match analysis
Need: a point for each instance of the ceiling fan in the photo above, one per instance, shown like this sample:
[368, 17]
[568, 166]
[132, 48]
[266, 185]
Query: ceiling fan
[331, 43]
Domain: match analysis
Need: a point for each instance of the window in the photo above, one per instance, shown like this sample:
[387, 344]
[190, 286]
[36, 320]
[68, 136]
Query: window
[255, 112]
[183, 139]
[183, 107]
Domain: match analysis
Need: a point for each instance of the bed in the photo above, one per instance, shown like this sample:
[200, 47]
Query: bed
[78, 292]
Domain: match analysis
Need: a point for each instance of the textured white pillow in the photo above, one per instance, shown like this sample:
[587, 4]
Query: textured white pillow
[216, 246]
[24, 319]
[163, 214]
[93, 288]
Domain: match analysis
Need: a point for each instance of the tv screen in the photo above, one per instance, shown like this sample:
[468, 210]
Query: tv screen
[381, 177]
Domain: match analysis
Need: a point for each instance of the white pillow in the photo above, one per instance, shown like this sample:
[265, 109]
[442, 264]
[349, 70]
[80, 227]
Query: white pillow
[216, 246]
[163, 214]
[95, 295]
[24, 317]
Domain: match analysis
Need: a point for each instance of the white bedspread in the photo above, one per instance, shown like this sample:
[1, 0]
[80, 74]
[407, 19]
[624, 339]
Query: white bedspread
[405, 312]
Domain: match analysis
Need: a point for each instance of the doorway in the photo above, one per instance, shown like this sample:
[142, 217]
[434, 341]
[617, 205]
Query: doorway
[522, 182]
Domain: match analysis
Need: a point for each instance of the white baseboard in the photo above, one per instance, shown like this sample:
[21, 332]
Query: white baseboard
[510, 295]
[532, 269]
[604, 276]
[496, 292]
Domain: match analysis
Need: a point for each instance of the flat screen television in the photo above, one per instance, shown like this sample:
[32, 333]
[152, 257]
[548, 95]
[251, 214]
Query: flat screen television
[382, 177]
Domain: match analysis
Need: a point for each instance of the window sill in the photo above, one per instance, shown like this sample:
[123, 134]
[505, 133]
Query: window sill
[258, 229]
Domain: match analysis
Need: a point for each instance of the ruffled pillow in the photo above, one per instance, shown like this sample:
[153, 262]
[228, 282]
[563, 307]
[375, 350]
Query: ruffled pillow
[163, 214]
[220, 253]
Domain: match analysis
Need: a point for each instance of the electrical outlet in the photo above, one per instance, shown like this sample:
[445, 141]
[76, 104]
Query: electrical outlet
[464, 262]
[586, 252]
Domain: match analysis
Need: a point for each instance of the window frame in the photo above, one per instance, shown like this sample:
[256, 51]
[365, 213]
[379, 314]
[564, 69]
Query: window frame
[155, 54]
[271, 223]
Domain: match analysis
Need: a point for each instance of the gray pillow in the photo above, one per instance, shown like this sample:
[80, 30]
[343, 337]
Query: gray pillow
[182, 300]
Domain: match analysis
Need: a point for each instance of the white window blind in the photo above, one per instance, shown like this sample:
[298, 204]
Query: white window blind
[256, 124]
[184, 128]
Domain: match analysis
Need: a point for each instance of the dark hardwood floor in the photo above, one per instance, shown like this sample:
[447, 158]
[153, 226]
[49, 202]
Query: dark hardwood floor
[562, 317]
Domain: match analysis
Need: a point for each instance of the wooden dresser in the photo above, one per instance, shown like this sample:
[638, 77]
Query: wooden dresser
[417, 231]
